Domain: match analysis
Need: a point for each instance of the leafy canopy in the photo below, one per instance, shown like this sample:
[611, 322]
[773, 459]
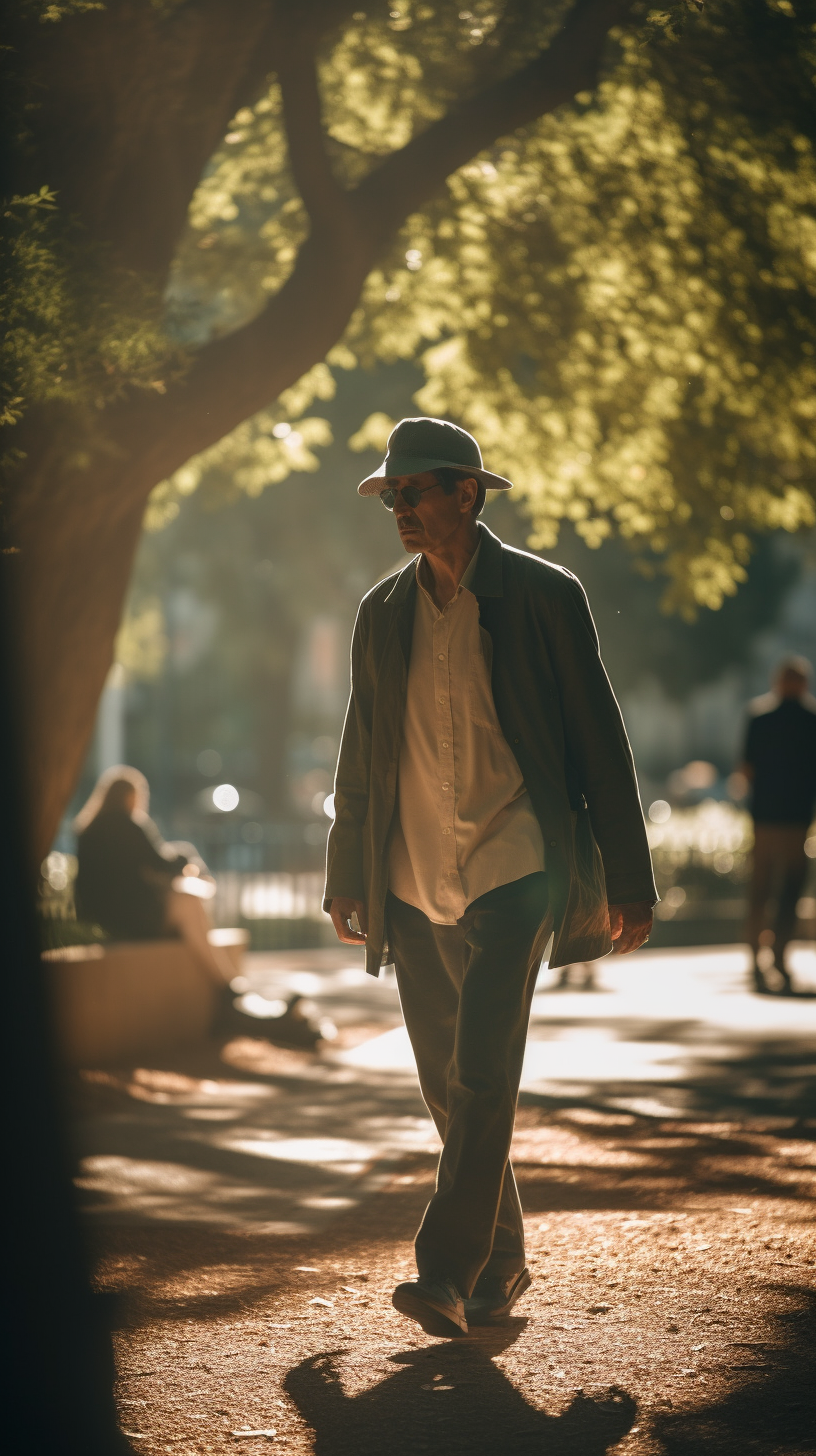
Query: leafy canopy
[617, 300]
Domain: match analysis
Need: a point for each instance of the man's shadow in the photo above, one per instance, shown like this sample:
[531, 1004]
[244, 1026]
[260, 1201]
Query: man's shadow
[450, 1397]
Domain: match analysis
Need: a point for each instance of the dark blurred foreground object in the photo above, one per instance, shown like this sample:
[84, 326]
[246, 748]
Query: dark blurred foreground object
[59, 1360]
[780, 763]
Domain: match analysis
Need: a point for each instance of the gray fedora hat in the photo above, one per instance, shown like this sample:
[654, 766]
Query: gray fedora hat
[427, 444]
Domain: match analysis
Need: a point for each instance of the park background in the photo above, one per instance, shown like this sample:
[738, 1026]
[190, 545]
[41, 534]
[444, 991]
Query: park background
[239, 239]
[584, 232]
[232, 672]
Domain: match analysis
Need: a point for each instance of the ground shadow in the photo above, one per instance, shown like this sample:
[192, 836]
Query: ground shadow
[747, 1076]
[452, 1397]
[771, 1410]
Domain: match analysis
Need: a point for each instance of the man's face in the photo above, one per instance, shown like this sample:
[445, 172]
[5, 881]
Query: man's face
[790, 683]
[436, 516]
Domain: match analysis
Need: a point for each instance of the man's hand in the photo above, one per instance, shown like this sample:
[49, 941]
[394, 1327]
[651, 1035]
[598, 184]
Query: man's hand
[629, 925]
[342, 909]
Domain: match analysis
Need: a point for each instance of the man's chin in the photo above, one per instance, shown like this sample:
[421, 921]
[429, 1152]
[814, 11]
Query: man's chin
[411, 540]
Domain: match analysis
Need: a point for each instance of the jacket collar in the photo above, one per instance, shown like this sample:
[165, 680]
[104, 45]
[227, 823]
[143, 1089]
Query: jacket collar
[487, 578]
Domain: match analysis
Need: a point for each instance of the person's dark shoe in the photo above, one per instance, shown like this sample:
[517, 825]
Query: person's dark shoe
[294, 1028]
[493, 1298]
[435, 1304]
[290, 1028]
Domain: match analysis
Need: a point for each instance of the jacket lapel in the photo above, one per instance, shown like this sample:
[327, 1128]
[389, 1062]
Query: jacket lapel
[402, 600]
[487, 578]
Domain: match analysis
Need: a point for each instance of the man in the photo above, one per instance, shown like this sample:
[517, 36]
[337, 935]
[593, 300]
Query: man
[780, 764]
[485, 799]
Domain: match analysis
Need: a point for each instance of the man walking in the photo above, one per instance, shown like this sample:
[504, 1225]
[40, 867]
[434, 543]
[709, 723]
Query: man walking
[779, 762]
[485, 799]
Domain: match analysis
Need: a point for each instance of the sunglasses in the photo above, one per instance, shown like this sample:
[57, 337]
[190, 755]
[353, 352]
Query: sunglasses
[411, 494]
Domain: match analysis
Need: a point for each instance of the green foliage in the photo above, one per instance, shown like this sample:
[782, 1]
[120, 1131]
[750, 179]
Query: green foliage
[43, 11]
[74, 328]
[618, 301]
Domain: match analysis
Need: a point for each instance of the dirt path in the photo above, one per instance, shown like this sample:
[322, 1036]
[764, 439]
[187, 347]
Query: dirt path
[672, 1309]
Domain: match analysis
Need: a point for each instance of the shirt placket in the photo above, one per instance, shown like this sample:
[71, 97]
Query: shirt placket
[445, 756]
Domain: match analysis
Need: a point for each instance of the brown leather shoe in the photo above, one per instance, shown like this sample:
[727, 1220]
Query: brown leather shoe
[493, 1298]
[435, 1304]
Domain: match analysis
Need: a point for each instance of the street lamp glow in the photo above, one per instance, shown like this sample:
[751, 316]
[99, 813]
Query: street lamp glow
[660, 812]
[226, 797]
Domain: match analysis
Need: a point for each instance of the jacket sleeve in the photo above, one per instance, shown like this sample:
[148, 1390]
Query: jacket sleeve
[147, 846]
[598, 749]
[344, 851]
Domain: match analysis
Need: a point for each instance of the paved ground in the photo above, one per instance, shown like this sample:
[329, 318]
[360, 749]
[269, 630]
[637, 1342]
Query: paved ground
[254, 1207]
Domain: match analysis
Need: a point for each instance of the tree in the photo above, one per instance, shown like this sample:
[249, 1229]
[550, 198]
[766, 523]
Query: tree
[120, 109]
[648, 314]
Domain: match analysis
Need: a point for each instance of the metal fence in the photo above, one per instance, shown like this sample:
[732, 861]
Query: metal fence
[275, 896]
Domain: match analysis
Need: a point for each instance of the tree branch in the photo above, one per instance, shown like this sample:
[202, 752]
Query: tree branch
[326, 202]
[408, 178]
[234, 377]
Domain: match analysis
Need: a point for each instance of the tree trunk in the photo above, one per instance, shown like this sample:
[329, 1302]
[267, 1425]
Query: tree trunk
[75, 526]
[67, 586]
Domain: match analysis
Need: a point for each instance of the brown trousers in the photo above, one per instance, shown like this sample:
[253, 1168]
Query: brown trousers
[778, 874]
[466, 991]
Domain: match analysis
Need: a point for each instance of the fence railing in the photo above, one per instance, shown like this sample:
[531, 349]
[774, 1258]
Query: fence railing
[274, 896]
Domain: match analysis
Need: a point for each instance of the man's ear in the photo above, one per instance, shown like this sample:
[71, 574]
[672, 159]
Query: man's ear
[468, 497]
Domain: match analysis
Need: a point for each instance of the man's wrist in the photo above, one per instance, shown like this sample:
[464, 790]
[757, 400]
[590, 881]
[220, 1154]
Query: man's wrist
[344, 894]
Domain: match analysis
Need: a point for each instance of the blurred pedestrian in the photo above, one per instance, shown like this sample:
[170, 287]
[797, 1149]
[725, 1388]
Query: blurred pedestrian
[485, 797]
[779, 762]
[125, 876]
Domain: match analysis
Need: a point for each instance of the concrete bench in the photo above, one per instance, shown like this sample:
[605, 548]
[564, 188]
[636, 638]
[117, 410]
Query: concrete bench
[115, 1001]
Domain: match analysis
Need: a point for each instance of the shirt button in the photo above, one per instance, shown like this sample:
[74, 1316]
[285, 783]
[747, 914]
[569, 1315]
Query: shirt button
[446, 786]
[441, 656]
[441, 700]
[446, 745]
[446, 831]
[553, 843]
[517, 740]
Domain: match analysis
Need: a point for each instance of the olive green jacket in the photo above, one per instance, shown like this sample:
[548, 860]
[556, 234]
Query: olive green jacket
[559, 715]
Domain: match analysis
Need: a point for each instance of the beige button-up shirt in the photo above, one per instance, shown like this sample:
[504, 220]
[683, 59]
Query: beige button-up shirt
[465, 820]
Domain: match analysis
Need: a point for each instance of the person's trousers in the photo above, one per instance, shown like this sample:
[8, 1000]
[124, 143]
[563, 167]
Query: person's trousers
[466, 991]
[778, 873]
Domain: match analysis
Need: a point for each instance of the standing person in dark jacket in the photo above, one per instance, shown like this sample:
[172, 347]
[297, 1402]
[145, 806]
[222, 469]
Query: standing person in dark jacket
[485, 798]
[780, 763]
[125, 874]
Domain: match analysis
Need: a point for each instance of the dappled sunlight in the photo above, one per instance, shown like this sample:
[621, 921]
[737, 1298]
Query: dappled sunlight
[272, 1196]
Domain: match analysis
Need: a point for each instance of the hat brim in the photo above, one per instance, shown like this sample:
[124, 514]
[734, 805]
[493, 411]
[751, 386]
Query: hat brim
[397, 465]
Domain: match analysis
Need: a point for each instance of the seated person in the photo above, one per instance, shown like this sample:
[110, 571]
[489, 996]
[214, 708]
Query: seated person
[125, 873]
